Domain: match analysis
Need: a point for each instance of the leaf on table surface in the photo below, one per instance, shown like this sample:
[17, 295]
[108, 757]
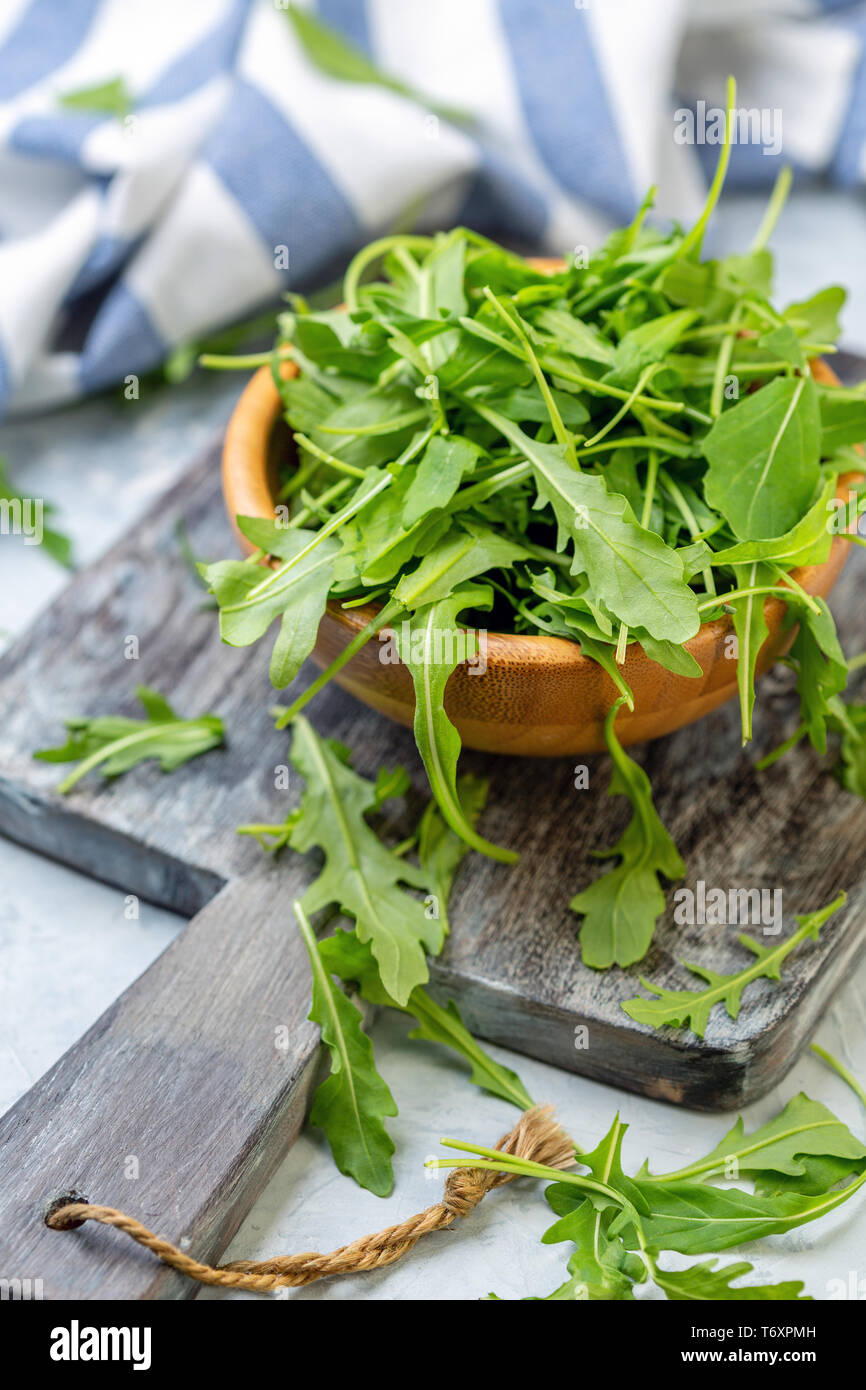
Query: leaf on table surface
[360, 874]
[803, 1128]
[115, 744]
[32, 513]
[346, 956]
[704, 1283]
[601, 1267]
[695, 1218]
[679, 1008]
[620, 909]
[351, 1104]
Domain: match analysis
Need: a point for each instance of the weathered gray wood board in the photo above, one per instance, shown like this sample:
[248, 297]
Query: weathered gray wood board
[188, 1053]
[176, 1105]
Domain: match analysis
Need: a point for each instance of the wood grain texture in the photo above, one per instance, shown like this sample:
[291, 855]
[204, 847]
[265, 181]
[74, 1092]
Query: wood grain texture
[182, 1069]
[177, 1104]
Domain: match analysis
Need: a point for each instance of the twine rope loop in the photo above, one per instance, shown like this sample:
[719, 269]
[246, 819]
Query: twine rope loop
[536, 1136]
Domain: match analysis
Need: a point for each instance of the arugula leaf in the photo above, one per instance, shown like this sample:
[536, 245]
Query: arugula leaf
[346, 956]
[822, 671]
[114, 743]
[110, 97]
[429, 647]
[679, 1008]
[607, 1213]
[622, 906]
[750, 627]
[440, 850]
[441, 469]
[634, 573]
[648, 342]
[351, 1104]
[803, 1128]
[360, 874]
[843, 419]
[764, 457]
[53, 542]
[250, 598]
[336, 57]
[704, 1283]
[695, 1218]
[817, 319]
[454, 560]
[601, 1267]
[807, 543]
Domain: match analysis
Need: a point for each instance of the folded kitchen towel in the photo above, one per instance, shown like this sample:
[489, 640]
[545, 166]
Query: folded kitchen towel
[168, 167]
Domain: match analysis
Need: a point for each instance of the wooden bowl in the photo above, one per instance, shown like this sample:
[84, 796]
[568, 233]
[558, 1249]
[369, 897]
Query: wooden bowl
[539, 695]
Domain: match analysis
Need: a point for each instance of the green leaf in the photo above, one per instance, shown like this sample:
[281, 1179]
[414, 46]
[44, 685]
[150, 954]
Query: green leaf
[351, 1105]
[335, 57]
[344, 955]
[632, 571]
[819, 1175]
[822, 671]
[572, 335]
[850, 723]
[445, 1026]
[648, 342]
[807, 543]
[704, 1283]
[458, 557]
[111, 98]
[115, 744]
[360, 874]
[441, 469]
[695, 1218]
[817, 319]
[764, 458]
[431, 645]
[53, 542]
[250, 598]
[843, 419]
[440, 850]
[750, 628]
[804, 1127]
[621, 907]
[601, 1268]
[679, 1008]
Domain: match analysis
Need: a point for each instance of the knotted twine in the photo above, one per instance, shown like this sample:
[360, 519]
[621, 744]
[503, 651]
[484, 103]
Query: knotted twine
[536, 1137]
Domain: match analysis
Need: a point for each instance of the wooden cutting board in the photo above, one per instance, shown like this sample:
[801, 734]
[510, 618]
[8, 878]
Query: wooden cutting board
[183, 1068]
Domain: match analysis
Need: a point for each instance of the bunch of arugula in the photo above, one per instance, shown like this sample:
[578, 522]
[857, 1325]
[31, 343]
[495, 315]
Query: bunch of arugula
[582, 453]
[622, 1226]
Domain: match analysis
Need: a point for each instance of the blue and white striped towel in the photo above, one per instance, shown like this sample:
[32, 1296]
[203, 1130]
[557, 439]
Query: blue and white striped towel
[169, 222]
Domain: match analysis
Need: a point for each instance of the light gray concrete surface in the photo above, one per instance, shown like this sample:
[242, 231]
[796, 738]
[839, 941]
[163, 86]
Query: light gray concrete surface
[66, 948]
